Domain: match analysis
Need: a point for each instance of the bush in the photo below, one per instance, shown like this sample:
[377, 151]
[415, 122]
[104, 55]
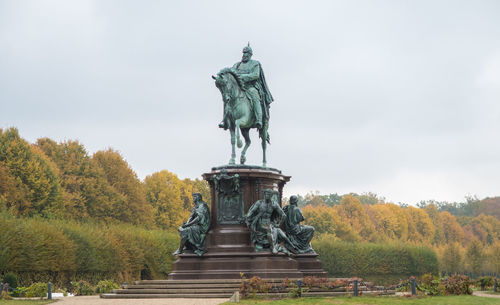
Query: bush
[37, 290]
[457, 284]
[106, 286]
[19, 292]
[82, 288]
[431, 285]
[253, 285]
[10, 278]
[485, 281]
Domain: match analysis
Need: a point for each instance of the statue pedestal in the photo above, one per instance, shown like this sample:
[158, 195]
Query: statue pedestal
[234, 188]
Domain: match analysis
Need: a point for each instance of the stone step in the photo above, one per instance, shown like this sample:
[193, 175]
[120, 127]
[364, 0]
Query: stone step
[208, 281]
[176, 291]
[170, 285]
[166, 296]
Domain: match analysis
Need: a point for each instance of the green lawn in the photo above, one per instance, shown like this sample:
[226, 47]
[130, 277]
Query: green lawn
[25, 302]
[449, 300]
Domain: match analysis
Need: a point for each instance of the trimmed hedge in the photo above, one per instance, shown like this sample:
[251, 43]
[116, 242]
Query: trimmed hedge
[39, 250]
[345, 259]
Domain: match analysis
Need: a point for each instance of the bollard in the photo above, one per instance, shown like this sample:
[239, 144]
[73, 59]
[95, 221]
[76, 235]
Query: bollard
[495, 286]
[413, 286]
[355, 292]
[1, 288]
[299, 287]
[49, 293]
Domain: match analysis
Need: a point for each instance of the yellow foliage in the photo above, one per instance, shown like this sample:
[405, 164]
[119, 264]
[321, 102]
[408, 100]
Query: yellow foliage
[166, 193]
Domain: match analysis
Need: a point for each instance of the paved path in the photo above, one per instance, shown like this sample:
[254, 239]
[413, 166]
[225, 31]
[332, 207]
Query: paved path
[96, 300]
[485, 294]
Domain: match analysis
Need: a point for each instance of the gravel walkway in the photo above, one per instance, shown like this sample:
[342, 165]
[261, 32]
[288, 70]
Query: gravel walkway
[485, 294]
[96, 300]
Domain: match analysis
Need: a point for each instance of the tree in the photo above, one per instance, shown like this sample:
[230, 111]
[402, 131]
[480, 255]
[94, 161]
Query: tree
[12, 192]
[130, 204]
[451, 260]
[494, 256]
[164, 191]
[475, 256]
[420, 228]
[34, 175]
[87, 192]
[332, 199]
[352, 211]
[451, 228]
[325, 220]
[390, 222]
[433, 213]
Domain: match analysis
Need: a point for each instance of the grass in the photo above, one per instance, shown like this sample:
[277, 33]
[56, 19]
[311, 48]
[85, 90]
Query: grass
[25, 302]
[447, 300]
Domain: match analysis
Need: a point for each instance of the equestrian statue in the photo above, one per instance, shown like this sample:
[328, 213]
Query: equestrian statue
[246, 100]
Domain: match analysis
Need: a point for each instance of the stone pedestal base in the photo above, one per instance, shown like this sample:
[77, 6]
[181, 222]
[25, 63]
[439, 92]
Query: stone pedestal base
[229, 249]
[231, 265]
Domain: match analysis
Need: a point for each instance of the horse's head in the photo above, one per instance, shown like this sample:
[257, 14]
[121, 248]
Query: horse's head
[226, 82]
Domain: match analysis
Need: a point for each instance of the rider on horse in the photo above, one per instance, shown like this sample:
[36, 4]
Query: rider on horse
[252, 81]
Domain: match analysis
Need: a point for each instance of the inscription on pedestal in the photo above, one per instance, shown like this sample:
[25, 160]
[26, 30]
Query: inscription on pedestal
[229, 198]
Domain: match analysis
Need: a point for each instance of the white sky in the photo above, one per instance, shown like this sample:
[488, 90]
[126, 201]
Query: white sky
[400, 98]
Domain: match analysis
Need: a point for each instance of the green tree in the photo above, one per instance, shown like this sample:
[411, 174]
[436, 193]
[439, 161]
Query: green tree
[475, 256]
[452, 259]
[494, 256]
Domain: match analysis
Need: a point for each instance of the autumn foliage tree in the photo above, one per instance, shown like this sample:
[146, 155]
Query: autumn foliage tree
[130, 203]
[165, 192]
[30, 182]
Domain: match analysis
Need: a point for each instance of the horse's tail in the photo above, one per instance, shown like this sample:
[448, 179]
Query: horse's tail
[263, 132]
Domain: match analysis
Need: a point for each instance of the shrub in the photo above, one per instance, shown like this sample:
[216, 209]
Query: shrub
[253, 285]
[82, 288]
[106, 286]
[431, 285]
[485, 281]
[10, 278]
[457, 284]
[37, 290]
[19, 292]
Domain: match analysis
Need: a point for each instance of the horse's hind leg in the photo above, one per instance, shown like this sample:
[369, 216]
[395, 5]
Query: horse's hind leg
[246, 134]
[233, 142]
[264, 145]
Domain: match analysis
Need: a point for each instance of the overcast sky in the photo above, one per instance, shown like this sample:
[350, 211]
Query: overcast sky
[400, 98]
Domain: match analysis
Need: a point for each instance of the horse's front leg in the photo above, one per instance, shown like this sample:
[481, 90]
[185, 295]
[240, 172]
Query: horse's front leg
[237, 124]
[246, 136]
[233, 142]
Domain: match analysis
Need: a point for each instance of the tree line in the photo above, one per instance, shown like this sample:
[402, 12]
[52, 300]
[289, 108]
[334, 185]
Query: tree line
[462, 243]
[62, 180]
